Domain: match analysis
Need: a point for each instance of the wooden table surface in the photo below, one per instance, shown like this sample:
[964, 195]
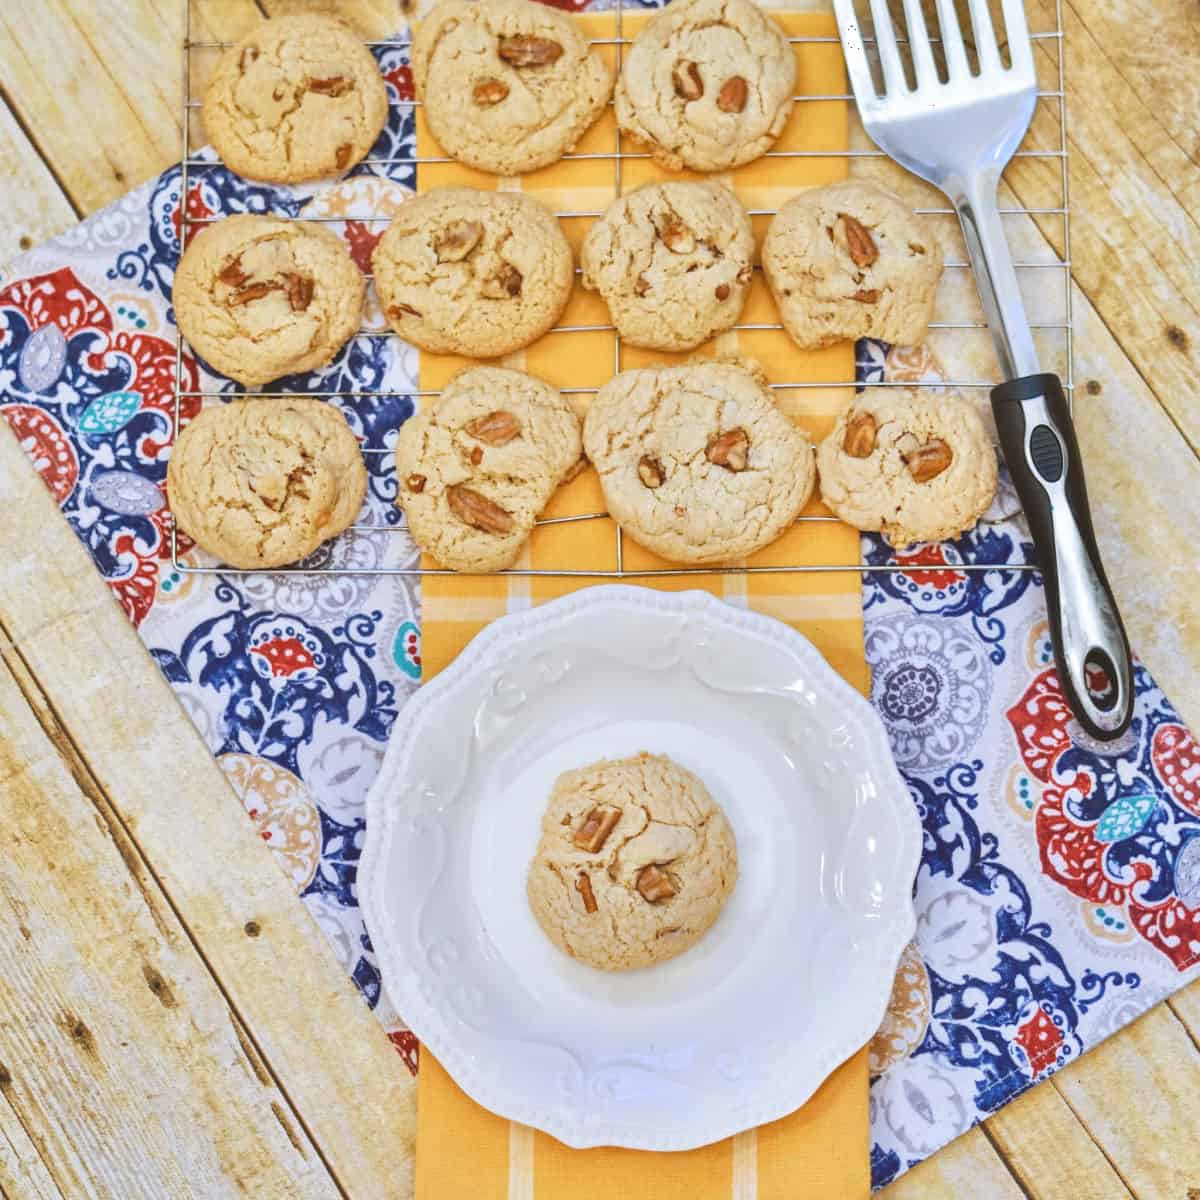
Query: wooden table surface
[161, 1038]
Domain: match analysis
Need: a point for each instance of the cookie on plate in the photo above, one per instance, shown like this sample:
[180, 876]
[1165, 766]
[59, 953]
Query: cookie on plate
[508, 85]
[851, 260]
[260, 297]
[697, 462]
[476, 469]
[917, 465]
[635, 862]
[462, 271]
[673, 262]
[298, 98]
[707, 84]
[261, 483]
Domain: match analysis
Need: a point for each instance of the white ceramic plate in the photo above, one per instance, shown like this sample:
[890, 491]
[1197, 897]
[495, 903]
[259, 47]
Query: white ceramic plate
[795, 975]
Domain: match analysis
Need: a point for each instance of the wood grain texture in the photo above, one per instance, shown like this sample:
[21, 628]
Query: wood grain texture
[192, 839]
[99, 985]
[968, 1167]
[35, 207]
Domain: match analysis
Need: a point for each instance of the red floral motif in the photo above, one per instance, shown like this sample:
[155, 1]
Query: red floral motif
[57, 299]
[285, 657]
[567, 5]
[1176, 758]
[362, 241]
[197, 210]
[46, 445]
[1041, 1039]
[136, 591]
[400, 77]
[1039, 719]
[1172, 927]
[409, 1047]
[932, 555]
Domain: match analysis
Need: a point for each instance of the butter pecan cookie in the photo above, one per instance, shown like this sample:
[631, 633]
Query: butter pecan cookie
[264, 482]
[697, 462]
[635, 863]
[707, 84]
[851, 260]
[476, 469]
[464, 271]
[508, 85]
[673, 262]
[260, 297]
[298, 98]
[917, 465]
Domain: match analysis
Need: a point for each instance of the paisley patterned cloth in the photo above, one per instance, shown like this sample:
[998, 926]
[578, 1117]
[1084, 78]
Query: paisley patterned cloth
[1059, 894]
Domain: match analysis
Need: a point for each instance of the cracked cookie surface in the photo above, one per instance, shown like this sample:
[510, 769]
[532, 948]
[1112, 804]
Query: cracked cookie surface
[476, 469]
[261, 483]
[470, 272]
[508, 85]
[697, 462]
[635, 862]
[673, 262]
[916, 465]
[299, 98]
[707, 84]
[851, 260]
[259, 297]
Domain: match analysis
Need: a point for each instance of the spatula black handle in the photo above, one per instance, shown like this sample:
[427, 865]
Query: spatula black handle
[1090, 646]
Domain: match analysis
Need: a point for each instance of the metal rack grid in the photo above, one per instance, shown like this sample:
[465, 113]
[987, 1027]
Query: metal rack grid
[189, 163]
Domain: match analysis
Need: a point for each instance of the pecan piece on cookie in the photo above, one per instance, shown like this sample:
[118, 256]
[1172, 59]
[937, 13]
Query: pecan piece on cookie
[475, 509]
[733, 95]
[583, 885]
[496, 428]
[505, 284]
[655, 885]
[859, 440]
[488, 92]
[650, 471]
[928, 461]
[859, 242]
[687, 81]
[525, 50]
[457, 240]
[730, 449]
[596, 827]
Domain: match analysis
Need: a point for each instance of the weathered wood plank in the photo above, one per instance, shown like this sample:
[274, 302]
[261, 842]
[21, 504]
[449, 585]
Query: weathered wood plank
[35, 207]
[358, 1104]
[1050, 1151]
[1137, 254]
[121, 1060]
[23, 1175]
[1135, 1094]
[968, 1167]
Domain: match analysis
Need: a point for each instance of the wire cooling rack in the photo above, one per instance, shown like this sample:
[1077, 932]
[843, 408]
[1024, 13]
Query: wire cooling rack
[1058, 264]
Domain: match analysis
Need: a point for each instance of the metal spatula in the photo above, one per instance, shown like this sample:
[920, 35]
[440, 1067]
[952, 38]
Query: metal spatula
[959, 135]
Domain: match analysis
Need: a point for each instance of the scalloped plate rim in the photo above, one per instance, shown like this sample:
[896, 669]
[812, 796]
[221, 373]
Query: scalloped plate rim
[472, 1076]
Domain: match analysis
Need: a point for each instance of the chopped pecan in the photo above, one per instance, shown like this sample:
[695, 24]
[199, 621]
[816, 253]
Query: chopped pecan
[525, 50]
[458, 240]
[866, 296]
[676, 236]
[655, 884]
[345, 152]
[505, 284]
[928, 461]
[248, 59]
[256, 291]
[334, 85]
[859, 242]
[476, 510]
[489, 91]
[650, 471]
[688, 84]
[733, 95]
[299, 291]
[722, 292]
[497, 428]
[859, 439]
[596, 827]
[916, 248]
[398, 311]
[476, 456]
[415, 483]
[730, 449]
[641, 285]
[583, 885]
[745, 274]
[232, 273]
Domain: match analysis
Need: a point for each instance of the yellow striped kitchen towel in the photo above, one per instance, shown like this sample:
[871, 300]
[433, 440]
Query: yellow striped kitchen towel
[822, 1150]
